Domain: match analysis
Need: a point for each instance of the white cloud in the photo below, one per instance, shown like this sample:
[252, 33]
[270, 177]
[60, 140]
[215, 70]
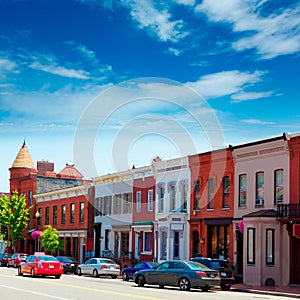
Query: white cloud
[245, 96]
[7, 66]
[155, 22]
[271, 36]
[257, 122]
[185, 2]
[174, 51]
[60, 70]
[225, 83]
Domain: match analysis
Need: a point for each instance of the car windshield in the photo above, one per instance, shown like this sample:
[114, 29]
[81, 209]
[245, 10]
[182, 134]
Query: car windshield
[196, 266]
[47, 258]
[107, 261]
[64, 259]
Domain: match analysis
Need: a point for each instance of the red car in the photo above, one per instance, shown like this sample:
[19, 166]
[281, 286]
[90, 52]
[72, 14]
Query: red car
[39, 264]
[16, 259]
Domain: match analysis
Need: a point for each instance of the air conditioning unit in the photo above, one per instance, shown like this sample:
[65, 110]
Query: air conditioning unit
[259, 202]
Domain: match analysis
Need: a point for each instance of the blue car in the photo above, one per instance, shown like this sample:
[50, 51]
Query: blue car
[127, 273]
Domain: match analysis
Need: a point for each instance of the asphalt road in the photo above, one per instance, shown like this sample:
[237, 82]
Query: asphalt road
[72, 287]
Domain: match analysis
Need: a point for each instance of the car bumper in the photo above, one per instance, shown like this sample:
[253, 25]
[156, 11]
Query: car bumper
[109, 272]
[205, 282]
[48, 271]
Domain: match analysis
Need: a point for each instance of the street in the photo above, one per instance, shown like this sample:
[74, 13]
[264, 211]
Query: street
[71, 287]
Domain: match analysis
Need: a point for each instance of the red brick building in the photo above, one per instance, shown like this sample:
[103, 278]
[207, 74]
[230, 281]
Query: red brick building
[27, 179]
[212, 204]
[143, 214]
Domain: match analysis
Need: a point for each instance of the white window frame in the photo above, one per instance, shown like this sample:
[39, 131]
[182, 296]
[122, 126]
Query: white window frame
[150, 200]
[138, 198]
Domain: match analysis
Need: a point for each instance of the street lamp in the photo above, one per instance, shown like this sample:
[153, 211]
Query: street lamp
[37, 239]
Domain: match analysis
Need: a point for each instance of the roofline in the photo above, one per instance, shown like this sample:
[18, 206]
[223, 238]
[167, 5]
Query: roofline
[285, 136]
[209, 152]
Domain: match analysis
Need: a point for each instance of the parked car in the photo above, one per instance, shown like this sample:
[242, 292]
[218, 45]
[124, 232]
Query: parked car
[98, 267]
[223, 266]
[4, 259]
[69, 264]
[16, 259]
[40, 264]
[184, 274]
[127, 273]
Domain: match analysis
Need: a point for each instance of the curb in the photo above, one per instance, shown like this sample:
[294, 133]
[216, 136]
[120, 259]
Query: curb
[264, 292]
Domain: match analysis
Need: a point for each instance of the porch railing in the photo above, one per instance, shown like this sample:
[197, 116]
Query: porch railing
[291, 210]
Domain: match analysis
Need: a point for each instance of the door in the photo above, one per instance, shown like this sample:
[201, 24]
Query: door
[295, 258]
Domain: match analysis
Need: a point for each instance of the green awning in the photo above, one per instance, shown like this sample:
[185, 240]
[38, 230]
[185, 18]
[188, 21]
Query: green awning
[31, 230]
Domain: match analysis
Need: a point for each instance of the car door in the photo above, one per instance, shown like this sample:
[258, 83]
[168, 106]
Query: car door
[158, 275]
[86, 267]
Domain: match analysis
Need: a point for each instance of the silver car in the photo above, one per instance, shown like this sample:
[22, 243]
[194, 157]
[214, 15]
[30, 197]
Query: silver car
[98, 267]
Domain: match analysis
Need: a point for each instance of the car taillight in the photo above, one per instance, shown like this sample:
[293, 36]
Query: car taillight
[202, 274]
[118, 267]
[219, 275]
[103, 267]
[232, 274]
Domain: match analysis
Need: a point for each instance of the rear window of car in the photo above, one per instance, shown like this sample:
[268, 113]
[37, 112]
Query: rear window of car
[107, 261]
[215, 265]
[197, 266]
[47, 258]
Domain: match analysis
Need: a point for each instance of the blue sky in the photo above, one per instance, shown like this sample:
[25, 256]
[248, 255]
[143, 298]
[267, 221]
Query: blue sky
[115, 83]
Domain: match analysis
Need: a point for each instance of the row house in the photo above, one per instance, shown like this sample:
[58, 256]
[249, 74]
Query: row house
[113, 215]
[143, 214]
[212, 204]
[71, 212]
[172, 208]
[262, 176]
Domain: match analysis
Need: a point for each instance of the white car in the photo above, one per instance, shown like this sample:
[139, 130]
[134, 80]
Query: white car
[99, 266]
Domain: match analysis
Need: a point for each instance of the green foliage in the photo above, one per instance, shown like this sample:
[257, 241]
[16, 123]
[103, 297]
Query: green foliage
[15, 215]
[50, 240]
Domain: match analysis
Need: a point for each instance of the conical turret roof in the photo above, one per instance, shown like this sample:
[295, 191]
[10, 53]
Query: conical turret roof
[69, 171]
[23, 159]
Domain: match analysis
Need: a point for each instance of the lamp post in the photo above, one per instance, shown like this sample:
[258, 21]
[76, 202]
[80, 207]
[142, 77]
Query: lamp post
[37, 239]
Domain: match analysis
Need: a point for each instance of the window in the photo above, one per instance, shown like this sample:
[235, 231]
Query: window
[98, 212]
[54, 214]
[211, 192]
[278, 187]
[163, 245]
[81, 213]
[63, 214]
[226, 192]
[242, 190]
[47, 215]
[117, 204]
[147, 242]
[40, 217]
[106, 242]
[172, 197]
[160, 198]
[197, 195]
[107, 205]
[72, 212]
[150, 200]
[270, 246]
[127, 203]
[183, 197]
[138, 202]
[251, 246]
[260, 188]
[30, 198]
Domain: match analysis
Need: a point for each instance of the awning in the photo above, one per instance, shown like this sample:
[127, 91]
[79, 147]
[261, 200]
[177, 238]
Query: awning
[142, 226]
[31, 230]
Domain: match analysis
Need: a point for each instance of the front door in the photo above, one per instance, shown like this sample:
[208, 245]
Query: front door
[295, 261]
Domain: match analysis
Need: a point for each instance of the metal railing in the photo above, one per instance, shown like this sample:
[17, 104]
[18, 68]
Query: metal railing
[291, 210]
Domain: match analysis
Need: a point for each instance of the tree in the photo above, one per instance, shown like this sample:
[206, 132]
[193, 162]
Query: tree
[50, 240]
[14, 215]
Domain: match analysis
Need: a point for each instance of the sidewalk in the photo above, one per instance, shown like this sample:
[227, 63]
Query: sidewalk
[284, 291]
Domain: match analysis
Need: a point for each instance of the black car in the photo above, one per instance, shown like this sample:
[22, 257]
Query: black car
[223, 266]
[69, 264]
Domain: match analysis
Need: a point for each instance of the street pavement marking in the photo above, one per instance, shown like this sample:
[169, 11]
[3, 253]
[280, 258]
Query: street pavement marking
[85, 288]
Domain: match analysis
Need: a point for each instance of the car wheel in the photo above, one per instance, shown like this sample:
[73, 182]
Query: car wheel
[57, 276]
[141, 281]
[225, 287]
[20, 272]
[95, 273]
[79, 272]
[125, 276]
[32, 273]
[184, 284]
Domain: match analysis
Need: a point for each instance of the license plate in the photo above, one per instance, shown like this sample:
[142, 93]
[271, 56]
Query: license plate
[223, 274]
[112, 268]
[51, 267]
